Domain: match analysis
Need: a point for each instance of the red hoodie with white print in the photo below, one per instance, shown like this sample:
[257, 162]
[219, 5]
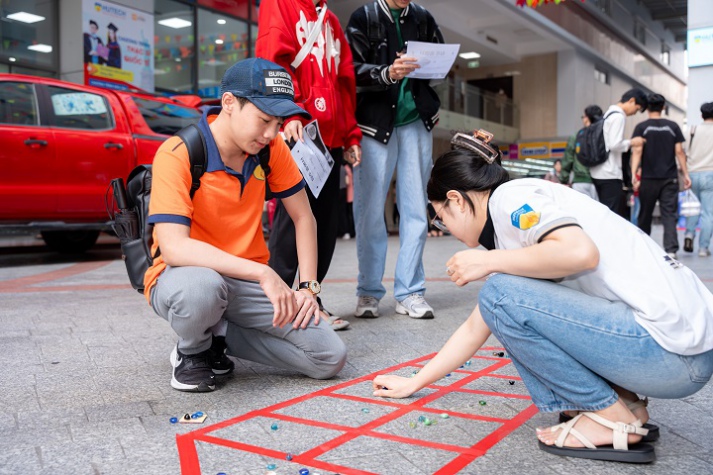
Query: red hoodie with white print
[324, 82]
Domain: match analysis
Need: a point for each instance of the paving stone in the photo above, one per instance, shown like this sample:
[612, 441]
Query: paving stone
[104, 407]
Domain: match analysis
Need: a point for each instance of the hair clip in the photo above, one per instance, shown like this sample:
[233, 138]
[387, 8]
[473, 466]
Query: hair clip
[478, 142]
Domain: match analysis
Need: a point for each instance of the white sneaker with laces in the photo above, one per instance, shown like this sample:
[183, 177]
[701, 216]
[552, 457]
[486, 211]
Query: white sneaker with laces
[704, 253]
[415, 306]
[367, 307]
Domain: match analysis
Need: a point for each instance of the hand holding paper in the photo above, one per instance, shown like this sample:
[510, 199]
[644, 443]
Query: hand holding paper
[434, 59]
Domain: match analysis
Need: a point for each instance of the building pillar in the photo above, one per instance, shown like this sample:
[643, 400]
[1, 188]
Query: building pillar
[700, 15]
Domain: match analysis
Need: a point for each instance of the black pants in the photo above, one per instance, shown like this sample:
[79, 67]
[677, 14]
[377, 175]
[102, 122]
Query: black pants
[611, 194]
[666, 193]
[282, 243]
[346, 215]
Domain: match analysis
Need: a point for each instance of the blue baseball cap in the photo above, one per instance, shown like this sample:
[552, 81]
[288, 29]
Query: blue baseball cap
[267, 85]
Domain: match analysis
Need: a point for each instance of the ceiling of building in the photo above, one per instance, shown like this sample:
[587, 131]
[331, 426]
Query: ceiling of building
[672, 13]
[489, 27]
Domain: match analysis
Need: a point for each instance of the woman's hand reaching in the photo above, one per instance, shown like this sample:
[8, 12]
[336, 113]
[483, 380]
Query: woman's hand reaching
[389, 385]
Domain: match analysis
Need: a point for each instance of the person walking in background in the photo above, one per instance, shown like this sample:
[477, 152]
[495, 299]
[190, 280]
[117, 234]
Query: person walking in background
[581, 179]
[397, 115]
[306, 39]
[608, 177]
[659, 175]
[700, 168]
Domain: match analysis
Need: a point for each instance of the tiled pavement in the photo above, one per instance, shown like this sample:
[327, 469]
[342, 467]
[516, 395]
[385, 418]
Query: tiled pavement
[84, 388]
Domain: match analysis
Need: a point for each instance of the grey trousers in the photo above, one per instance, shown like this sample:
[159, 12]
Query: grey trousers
[194, 299]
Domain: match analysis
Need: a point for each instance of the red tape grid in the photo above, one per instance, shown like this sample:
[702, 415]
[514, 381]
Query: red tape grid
[187, 443]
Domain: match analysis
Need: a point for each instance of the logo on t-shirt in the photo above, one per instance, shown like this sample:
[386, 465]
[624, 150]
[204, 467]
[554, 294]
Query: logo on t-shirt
[525, 217]
[259, 173]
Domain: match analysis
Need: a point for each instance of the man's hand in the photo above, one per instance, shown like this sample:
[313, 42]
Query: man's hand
[281, 297]
[637, 142]
[389, 385]
[686, 182]
[467, 266]
[293, 131]
[403, 66]
[352, 155]
[307, 307]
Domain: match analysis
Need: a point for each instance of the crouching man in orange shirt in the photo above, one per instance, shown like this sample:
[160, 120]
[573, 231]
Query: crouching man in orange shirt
[211, 280]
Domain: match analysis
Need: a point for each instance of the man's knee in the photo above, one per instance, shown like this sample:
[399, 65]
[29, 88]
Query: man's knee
[194, 287]
[329, 361]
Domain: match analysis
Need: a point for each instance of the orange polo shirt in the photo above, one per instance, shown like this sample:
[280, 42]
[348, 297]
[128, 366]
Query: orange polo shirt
[226, 211]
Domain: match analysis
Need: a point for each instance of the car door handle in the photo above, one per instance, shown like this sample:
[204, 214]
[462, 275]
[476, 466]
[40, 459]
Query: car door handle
[110, 145]
[35, 143]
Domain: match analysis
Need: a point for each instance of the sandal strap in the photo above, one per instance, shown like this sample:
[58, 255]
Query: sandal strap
[638, 404]
[567, 428]
[621, 430]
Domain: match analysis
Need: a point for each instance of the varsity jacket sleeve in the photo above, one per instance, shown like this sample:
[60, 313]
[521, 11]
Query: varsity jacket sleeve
[275, 43]
[347, 92]
[368, 75]
[568, 160]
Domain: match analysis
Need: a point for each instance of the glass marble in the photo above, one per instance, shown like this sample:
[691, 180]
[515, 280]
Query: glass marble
[174, 420]
[274, 426]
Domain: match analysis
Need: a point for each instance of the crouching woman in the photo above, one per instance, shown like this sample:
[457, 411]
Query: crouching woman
[592, 311]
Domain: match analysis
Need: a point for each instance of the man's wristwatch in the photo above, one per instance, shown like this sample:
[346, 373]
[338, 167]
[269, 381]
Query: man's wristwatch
[311, 285]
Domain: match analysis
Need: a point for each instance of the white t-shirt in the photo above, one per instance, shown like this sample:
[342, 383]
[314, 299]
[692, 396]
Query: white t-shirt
[615, 143]
[667, 298]
[700, 151]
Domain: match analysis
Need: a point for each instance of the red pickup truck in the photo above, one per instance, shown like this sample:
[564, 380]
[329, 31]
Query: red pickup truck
[60, 145]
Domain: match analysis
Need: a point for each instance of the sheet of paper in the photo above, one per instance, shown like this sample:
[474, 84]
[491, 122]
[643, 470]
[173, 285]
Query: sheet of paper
[313, 158]
[435, 59]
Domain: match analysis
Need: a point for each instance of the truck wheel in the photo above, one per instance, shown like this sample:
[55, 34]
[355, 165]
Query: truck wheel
[70, 242]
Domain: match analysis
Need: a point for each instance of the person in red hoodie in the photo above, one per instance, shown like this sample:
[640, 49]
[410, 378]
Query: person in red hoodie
[325, 86]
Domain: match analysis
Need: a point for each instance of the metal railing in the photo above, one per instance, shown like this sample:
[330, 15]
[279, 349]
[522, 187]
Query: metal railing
[474, 102]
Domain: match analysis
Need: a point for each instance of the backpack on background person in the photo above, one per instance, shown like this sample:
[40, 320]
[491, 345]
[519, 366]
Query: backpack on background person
[590, 149]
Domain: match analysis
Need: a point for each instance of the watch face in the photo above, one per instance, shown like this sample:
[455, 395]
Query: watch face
[314, 287]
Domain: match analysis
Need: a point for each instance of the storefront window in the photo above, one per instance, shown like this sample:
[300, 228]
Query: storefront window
[174, 55]
[222, 41]
[28, 32]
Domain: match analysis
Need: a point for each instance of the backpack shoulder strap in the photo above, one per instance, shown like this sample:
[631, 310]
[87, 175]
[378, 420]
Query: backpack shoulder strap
[373, 25]
[264, 157]
[195, 143]
[421, 18]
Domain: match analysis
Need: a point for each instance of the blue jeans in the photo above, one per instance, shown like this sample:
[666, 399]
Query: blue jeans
[409, 153]
[569, 347]
[702, 187]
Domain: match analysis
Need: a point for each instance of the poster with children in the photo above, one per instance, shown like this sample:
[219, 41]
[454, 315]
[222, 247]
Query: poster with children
[118, 46]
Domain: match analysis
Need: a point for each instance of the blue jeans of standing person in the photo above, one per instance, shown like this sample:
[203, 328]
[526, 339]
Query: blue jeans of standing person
[702, 187]
[409, 153]
[569, 347]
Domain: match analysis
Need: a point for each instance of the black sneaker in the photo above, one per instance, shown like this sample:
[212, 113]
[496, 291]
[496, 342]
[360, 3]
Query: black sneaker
[688, 244]
[220, 362]
[192, 373]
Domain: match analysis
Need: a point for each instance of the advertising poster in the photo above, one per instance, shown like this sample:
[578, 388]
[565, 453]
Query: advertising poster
[118, 46]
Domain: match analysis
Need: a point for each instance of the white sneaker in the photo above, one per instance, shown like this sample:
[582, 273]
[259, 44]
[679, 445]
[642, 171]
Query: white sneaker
[367, 307]
[415, 306]
[704, 253]
[672, 255]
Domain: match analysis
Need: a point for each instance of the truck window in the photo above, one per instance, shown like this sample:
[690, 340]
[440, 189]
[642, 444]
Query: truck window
[165, 118]
[18, 104]
[79, 110]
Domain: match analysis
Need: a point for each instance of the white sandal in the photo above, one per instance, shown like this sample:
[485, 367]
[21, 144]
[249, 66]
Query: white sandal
[619, 451]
